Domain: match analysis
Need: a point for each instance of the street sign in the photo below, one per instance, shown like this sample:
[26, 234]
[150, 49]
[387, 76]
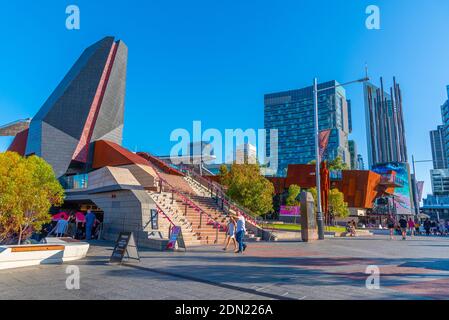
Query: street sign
[154, 219]
[176, 237]
[125, 244]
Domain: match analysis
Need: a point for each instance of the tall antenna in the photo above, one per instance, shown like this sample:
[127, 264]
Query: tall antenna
[366, 70]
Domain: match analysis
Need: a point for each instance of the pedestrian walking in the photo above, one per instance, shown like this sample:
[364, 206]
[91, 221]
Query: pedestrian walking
[230, 234]
[240, 233]
[403, 226]
[427, 226]
[90, 220]
[391, 222]
[411, 226]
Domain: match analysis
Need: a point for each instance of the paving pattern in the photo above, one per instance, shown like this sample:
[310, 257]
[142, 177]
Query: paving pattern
[333, 269]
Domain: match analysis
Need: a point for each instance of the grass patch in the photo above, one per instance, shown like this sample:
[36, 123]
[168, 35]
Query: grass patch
[297, 227]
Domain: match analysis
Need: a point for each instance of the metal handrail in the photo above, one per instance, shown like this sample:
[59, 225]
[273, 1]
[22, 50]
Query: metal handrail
[192, 204]
[220, 193]
[188, 201]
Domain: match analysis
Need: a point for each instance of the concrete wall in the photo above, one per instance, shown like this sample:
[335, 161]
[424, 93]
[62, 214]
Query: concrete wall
[126, 206]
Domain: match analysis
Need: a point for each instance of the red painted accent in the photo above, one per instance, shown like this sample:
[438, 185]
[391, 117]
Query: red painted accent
[19, 143]
[107, 153]
[81, 151]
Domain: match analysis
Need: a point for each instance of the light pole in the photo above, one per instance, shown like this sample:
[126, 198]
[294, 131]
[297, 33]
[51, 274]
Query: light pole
[414, 191]
[320, 220]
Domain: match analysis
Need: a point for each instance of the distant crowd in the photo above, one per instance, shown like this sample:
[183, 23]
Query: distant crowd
[73, 224]
[410, 227]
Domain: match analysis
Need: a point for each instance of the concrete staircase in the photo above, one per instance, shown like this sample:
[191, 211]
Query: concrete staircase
[163, 200]
[204, 199]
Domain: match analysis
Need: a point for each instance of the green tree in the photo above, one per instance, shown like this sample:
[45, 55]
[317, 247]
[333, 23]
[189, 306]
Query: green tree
[250, 189]
[336, 164]
[223, 173]
[337, 204]
[28, 189]
[293, 192]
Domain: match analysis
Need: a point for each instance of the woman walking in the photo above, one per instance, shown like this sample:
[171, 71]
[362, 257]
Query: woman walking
[411, 226]
[391, 222]
[230, 234]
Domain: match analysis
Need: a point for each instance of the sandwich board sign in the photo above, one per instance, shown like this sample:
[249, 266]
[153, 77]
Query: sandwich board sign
[176, 237]
[125, 244]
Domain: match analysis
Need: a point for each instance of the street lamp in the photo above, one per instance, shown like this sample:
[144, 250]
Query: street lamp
[317, 149]
[415, 192]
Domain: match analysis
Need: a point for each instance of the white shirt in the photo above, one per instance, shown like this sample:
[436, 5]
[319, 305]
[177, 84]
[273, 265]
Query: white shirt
[241, 224]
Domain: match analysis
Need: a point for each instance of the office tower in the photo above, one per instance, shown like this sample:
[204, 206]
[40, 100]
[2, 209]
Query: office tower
[440, 182]
[384, 124]
[292, 114]
[353, 154]
[445, 135]
[246, 154]
[87, 106]
[360, 162]
[437, 143]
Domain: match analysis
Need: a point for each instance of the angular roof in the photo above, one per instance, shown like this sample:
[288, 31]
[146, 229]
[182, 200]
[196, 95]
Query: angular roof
[107, 153]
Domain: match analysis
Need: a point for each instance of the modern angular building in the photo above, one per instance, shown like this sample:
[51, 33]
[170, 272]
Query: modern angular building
[437, 143]
[440, 182]
[292, 114]
[384, 124]
[87, 106]
[78, 131]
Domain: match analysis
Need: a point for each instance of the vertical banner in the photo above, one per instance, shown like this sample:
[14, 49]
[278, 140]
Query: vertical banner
[324, 141]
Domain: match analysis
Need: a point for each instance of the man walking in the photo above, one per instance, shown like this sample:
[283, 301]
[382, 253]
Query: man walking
[240, 233]
[90, 220]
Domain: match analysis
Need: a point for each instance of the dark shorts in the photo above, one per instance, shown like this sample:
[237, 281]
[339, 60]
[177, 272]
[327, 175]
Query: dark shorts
[391, 226]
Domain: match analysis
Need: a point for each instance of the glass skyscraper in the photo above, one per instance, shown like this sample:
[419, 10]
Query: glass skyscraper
[291, 113]
[445, 133]
[437, 142]
[384, 124]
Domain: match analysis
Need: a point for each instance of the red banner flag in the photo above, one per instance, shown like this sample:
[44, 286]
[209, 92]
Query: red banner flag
[324, 141]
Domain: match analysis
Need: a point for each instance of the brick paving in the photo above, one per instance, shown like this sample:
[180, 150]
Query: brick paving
[332, 269]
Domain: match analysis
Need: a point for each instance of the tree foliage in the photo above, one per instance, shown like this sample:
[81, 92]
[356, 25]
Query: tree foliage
[28, 189]
[337, 204]
[249, 188]
[223, 174]
[336, 164]
[293, 192]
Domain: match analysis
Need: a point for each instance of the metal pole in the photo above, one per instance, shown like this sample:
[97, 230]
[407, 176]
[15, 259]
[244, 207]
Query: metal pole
[318, 162]
[415, 191]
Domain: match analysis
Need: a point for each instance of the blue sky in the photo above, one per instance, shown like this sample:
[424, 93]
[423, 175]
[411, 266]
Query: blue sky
[214, 60]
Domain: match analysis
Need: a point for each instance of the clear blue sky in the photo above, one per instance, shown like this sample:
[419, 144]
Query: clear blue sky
[214, 60]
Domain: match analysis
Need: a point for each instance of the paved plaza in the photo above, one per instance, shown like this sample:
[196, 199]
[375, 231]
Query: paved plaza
[334, 269]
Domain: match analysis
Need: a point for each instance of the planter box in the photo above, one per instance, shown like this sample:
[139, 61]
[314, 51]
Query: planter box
[55, 251]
